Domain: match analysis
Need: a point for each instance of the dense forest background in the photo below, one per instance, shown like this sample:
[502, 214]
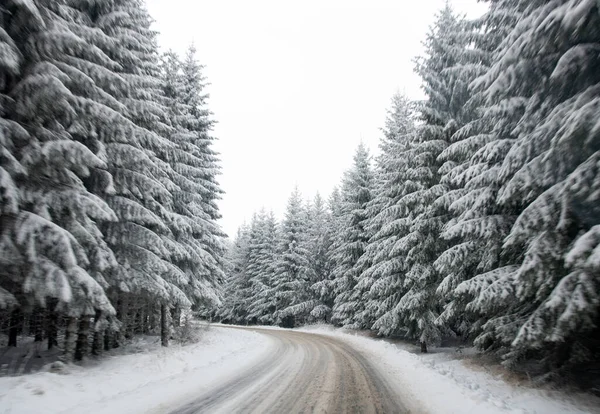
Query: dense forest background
[479, 218]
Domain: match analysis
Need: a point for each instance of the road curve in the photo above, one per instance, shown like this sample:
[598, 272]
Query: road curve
[305, 373]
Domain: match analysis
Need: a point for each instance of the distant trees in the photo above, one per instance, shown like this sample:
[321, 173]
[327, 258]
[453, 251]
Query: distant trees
[107, 177]
[480, 215]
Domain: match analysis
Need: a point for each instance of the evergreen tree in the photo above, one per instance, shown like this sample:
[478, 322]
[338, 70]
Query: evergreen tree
[12, 136]
[444, 110]
[477, 227]
[318, 245]
[261, 267]
[201, 205]
[291, 277]
[315, 245]
[382, 281]
[62, 118]
[351, 239]
[143, 199]
[556, 295]
[234, 308]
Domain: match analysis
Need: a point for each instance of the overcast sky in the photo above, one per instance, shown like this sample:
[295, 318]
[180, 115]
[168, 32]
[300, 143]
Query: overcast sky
[295, 86]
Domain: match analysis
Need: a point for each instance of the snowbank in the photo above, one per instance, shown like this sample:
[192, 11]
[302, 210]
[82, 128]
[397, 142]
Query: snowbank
[439, 383]
[153, 381]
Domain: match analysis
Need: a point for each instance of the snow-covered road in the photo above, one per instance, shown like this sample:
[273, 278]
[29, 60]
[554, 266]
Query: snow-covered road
[305, 372]
[316, 369]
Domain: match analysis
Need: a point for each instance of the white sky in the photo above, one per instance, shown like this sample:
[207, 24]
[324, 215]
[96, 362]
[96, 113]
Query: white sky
[295, 86]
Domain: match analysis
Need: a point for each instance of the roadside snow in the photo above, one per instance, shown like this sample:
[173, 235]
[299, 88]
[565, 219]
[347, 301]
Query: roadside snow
[154, 381]
[439, 383]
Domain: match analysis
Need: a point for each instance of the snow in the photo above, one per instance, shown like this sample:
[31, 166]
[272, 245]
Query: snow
[439, 382]
[155, 380]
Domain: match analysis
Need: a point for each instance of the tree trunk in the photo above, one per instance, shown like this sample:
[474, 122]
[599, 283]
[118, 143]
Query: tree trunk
[108, 339]
[127, 323]
[38, 324]
[13, 331]
[98, 341]
[52, 326]
[83, 344]
[424, 347]
[145, 320]
[138, 327]
[164, 326]
[70, 339]
[176, 316]
[152, 320]
[122, 317]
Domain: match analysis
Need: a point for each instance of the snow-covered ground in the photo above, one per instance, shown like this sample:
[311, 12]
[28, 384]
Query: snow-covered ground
[157, 380]
[441, 383]
[152, 381]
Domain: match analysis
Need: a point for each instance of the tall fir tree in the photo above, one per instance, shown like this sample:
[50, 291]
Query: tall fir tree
[64, 117]
[198, 122]
[237, 286]
[263, 257]
[442, 113]
[556, 293]
[382, 280]
[142, 239]
[351, 239]
[291, 276]
[478, 226]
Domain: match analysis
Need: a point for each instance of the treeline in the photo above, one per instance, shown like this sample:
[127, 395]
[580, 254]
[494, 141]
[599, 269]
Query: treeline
[108, 183]
[480, 217]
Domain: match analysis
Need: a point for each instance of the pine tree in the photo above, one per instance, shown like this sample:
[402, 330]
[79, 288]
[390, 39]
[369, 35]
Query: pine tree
[62, 117]
[234, 308]
[291, 276]
[382, 280]
[556, 292]
[318, 245]
[199, 201]
[12, 136]
[187, 218]
[143, 238]
[315, 245]
[444, 110]
[263, 257]
[475, 258]
[351, 239]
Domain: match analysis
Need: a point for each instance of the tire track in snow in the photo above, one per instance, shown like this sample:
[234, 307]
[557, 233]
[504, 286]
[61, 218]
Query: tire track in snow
[305, 373]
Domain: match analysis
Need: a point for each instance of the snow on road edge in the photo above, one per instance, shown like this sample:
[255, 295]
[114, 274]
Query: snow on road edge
[150, 382]
[437, 383]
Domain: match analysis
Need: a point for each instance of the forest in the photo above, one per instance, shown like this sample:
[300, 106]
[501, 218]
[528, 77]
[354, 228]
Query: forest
[478, 219]
[108, 178]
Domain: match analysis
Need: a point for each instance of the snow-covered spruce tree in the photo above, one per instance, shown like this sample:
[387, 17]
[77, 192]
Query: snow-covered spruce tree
[263, 256]
[324, 289]
[351, 239]
[318, 244]
[234, 307]
[291, 283]
[315, 245]
[12, 136]
[66, 115]
[142, 239]
[199, 201]
[191, 224]
[445, 87]
[479, 226]
[553, 52]
[381, 283]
